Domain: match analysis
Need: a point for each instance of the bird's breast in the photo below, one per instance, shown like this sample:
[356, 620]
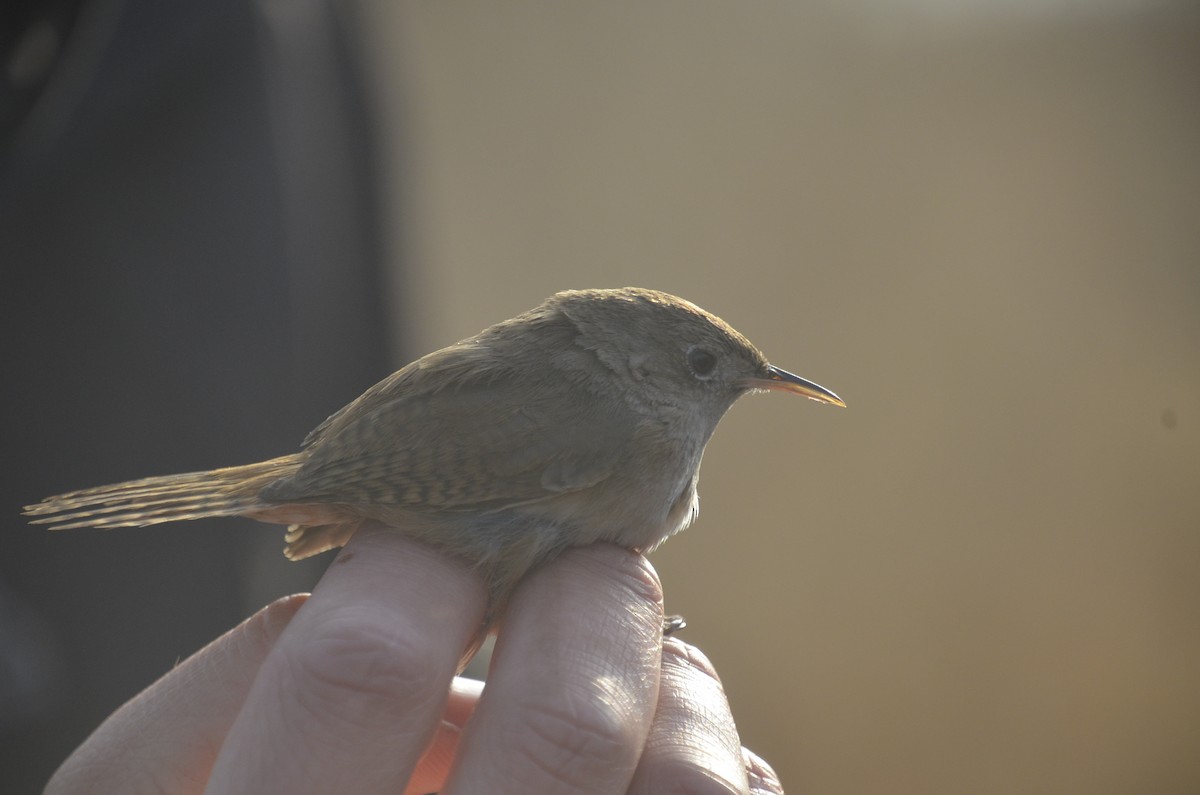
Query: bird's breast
[650, 496]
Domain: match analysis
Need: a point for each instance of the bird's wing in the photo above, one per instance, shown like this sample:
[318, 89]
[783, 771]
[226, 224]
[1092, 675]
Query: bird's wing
[480, 444]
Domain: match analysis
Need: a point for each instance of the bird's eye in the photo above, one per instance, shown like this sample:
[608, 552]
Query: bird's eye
[702, 362]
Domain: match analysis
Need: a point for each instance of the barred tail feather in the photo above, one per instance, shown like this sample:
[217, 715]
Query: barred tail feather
[168, 498]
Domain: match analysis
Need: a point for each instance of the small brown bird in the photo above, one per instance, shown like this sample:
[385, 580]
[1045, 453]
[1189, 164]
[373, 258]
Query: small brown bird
[581, 420]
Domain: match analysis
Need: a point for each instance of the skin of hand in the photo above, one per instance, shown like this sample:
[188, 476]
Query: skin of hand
[351, 689]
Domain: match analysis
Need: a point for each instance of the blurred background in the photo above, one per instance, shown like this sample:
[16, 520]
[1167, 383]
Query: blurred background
[976, 220]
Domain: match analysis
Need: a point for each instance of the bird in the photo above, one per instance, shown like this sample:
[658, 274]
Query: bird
[583, 419]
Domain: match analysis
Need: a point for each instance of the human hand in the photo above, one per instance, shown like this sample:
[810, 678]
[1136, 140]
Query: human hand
[354, 693]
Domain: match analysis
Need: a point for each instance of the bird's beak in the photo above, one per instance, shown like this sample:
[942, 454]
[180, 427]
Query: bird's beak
[783, 381]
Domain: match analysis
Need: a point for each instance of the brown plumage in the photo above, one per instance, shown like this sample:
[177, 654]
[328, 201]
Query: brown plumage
[583, 419]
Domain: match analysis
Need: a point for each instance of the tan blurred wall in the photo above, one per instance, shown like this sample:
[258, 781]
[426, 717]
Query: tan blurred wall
[979, 223]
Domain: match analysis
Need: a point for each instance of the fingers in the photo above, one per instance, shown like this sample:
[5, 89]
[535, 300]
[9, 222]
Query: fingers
[435, 764]
[693, 745]
[145, 747]
[573, 683]
[346, 694]
[355, 687]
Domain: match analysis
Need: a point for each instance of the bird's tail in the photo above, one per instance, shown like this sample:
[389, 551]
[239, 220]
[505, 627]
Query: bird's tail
[168, 498]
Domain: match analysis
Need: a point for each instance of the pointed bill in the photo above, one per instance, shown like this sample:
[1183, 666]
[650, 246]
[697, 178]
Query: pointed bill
[782, 381]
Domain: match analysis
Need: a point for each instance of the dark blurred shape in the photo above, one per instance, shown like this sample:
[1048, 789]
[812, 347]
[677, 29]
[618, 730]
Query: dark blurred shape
[189, 278]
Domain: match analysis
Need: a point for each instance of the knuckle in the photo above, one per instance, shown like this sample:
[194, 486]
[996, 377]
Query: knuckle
[351, 658]
[577, 744]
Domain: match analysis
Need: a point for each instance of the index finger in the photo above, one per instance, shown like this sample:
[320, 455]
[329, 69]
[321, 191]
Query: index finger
[350, 694]
[574, 681]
